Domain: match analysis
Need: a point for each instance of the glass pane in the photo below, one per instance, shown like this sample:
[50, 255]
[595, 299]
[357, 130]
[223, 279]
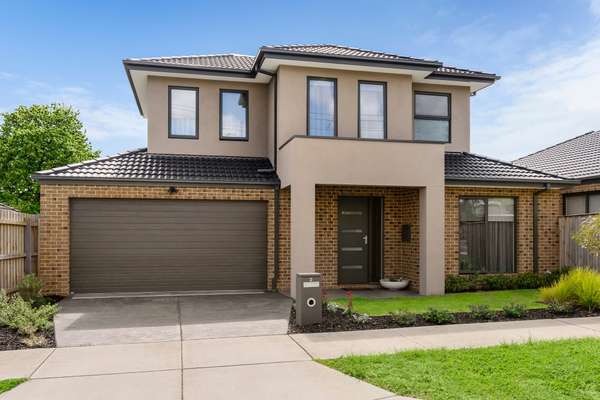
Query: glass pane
[183, 112]
[372, 111]
[472, 210]
[432, 130]
[431, 105]
[595, 203]
[575, 205]
[233, 115]
[501, 209]
[321, 108]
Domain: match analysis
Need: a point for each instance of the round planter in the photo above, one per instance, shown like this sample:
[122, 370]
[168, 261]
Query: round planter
[394, 285]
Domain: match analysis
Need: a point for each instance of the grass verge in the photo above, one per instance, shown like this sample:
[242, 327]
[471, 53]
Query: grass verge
[8, 384]
[453, 302]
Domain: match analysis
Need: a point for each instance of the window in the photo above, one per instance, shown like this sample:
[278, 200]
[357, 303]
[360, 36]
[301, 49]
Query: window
[183, 112]
[432, 117]
[322, 107]
[372, 110]
[487, 235]
[582, 203]
[233, 114]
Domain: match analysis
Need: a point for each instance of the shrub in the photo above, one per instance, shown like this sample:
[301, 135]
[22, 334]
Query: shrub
[480, 311]
[333, 307]
[526, 280]
[28, 320]
[404, 318]
[30, 289]
[560, 308]
[580, 286]
[361, 318]
[438, 317]
[515, 310]
[588, 235]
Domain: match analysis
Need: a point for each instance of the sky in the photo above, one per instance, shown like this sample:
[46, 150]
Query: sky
[547, 52]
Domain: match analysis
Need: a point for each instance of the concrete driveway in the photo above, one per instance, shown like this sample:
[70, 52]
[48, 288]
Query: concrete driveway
[84, 322]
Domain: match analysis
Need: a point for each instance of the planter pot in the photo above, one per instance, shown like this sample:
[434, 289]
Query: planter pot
[394, 285]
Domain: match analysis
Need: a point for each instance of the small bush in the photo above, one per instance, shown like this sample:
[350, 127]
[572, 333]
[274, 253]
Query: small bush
[526, 280]
[515, 310]
[28, 320]
[361, 318]
[333, 307]
[481, 311]
[438, 317]
[580, 286]
[404, 318]
[560, 308]
[30, 289]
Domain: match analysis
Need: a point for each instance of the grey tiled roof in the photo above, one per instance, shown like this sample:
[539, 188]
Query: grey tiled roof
[139, 165]
[462, 166]
[243, 63]
[576, 158]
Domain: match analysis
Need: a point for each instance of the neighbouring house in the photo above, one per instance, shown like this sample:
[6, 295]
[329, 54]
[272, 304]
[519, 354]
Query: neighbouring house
[348, 162]
[576, 158]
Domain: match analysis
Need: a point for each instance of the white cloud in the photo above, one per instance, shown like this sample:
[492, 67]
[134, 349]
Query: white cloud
[595, 8]
[535, 107]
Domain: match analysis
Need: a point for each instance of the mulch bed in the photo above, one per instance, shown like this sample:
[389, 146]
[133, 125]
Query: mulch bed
[11, 340]
[340, 322]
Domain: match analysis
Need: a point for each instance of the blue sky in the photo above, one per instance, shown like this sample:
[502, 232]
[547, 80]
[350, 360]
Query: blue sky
[548, 53]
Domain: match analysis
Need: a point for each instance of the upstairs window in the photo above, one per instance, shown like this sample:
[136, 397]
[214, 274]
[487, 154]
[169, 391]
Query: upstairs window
[322, 107]
[183, 112]
[233, 114]
[432, 117]
[582, 203]
[372, 110]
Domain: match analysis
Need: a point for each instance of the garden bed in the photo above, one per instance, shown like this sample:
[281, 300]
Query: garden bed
[339, 321]
[11, 340]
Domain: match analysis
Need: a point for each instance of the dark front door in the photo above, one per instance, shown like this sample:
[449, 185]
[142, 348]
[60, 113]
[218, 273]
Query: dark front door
[353, 240]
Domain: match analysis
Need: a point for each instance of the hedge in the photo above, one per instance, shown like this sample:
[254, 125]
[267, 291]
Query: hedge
[525, 280]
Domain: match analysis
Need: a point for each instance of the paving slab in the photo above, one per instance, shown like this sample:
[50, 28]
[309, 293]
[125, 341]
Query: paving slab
[21, 363]
[337, 344]
[115, 359]
[164, 385]
[204, 317]
[303, 380]
[87, 322]
[592, 323]
[239, 351]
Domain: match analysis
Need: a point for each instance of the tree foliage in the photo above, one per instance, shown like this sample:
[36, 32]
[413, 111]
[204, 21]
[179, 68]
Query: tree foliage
[588, 235]
[36, 138]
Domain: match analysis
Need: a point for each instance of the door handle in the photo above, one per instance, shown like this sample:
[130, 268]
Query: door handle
[366, 239]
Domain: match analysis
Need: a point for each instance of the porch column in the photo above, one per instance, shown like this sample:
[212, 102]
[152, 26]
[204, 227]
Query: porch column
[302, 231]
[431, 255]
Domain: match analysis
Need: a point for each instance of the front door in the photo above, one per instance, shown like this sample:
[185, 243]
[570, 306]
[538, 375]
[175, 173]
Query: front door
[353, 240]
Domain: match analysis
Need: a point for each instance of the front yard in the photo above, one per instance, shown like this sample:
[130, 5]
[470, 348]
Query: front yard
[567, 369]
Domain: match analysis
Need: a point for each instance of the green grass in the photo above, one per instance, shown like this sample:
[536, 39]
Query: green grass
[454, 302]
[7, 384]
[568, 369]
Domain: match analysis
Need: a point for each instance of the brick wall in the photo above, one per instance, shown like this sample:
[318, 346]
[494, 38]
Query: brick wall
[549, 211]
[54, 220]
[589, 187]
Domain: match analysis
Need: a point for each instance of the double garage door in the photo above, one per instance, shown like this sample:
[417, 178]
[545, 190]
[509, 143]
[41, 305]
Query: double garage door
[167, 245]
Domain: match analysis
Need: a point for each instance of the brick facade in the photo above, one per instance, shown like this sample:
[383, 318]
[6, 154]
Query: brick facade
[587, 187]
[54, 219]
[550, 204]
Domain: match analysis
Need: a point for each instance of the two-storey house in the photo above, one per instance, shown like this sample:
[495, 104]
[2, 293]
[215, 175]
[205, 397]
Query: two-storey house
[347, 162]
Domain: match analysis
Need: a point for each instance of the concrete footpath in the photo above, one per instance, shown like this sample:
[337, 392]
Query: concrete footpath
[259, 367]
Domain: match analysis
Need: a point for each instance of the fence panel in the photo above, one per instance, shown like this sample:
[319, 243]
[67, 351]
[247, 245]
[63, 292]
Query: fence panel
[18, 247]
[571, 254]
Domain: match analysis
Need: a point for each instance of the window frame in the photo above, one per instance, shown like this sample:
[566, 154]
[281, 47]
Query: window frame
[485, 221]
[587, 202]
[335, 105]
[385, 113]
[169, 112]
[235, 139]
[432, 117]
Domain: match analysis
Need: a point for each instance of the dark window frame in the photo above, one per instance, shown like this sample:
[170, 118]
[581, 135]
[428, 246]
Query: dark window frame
[235, 139]
[432, 117]
[587, 202]
[197, 93]
[385, 113]
[485, 221]
[335, 104]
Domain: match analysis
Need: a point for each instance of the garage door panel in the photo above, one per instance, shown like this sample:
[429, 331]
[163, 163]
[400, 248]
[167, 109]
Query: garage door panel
[157, 245]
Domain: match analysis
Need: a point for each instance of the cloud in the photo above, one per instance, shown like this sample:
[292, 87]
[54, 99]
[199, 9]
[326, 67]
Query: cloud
[595, 8]
[531, 108]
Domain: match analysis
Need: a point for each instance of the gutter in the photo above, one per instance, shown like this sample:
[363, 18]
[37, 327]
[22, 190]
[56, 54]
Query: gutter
[536, 256]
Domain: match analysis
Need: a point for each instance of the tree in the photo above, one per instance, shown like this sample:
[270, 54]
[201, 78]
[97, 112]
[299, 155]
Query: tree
[588, 234]
[37, 138]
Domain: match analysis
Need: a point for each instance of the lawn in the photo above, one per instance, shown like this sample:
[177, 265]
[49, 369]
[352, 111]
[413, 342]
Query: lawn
[454, 302]
[7, 384]
[568, 369]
